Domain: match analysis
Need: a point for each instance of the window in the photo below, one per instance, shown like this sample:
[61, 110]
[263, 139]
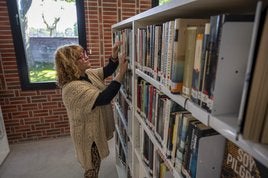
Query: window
[159, 2]
[38, 28]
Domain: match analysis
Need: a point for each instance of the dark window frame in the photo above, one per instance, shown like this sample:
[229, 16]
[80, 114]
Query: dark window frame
[19, 46]
[155, 3]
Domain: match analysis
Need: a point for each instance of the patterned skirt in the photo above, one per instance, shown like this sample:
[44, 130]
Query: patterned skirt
[96, 160]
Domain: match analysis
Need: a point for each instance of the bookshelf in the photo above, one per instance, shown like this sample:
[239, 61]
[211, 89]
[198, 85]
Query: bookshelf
[224, 122]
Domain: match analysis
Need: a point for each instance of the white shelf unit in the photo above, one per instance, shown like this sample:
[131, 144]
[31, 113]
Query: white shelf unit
[157, 145]
[123, 120]
[126, 98]
[226, 125]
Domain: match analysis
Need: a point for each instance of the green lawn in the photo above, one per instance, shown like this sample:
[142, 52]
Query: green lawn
[42, 73]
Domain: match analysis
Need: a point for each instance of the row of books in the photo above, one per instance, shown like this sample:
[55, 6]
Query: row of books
[127, 84]
[124, 36]
[121, 130]
[124, 108]
[122, 142]
[161, 169]
[207, 62]
[206, 154]
[194, 149]
[148, 152]
[169, 122]
[183, 54]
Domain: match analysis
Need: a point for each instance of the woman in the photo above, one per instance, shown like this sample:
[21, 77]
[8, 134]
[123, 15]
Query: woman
[87, 101]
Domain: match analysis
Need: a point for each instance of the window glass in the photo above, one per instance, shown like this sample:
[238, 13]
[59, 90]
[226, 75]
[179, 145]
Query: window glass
[163, 1]
[45, 25]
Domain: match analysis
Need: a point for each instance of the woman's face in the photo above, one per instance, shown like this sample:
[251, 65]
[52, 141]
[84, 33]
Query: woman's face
[83, 62]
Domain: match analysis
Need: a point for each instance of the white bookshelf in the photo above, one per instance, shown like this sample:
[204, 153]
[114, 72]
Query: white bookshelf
[225, 124]
[190, 106]
[126, 98]
[121, 116]
[144, 170]
[157, 145]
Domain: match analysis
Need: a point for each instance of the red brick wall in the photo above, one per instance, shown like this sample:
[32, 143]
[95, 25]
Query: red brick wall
[34, 115]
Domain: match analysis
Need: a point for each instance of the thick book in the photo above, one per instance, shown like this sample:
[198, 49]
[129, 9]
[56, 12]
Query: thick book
[191, 36]
[197, 67]
[198, 75]
[187, 121]
[239, 164]
[251, 59]
[160, 122]
[176, 134]
[188, 140]
[146, 142]
[169, 53]
[204, 139]
[212, 60]
[174, 110]
[157, 50]
[256, 112]
[178, 57]
[151, 156]
[228, 51]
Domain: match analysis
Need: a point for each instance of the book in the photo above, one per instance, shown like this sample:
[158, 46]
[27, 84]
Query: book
[157, 51]
[178, 57]
[248, 73]
[174, 110]
[187, 122]
[256, 112]
[160, 122]
[189, 58]
[176, 134]
[239, 164]
[203, 64]
[151, 156]
[187, 144]
[146, 145]
[229, 44]
[197, 67]
[202, 134]
[212, 60]
[209, 160]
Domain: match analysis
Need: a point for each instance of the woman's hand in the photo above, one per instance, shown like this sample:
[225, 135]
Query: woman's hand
[115, 49]
[123, 64]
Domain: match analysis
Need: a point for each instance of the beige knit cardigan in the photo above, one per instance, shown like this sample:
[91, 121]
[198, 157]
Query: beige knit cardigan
[88, 125]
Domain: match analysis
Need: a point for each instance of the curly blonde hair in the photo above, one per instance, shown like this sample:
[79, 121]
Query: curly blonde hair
[65, 62]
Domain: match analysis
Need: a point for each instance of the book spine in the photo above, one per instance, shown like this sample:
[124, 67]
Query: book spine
[170, 135]
[189, 60]
[197, 133]
[212, 61]
[197, 68]
[188, 140]
[204, 55]
[169, 53]
[177, 60]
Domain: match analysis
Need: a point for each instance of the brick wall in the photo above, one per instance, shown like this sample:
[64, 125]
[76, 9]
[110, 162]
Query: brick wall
[34, 115]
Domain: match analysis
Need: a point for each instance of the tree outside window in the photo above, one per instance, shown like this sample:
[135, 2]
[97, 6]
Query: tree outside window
[45, 25]
[39, 27]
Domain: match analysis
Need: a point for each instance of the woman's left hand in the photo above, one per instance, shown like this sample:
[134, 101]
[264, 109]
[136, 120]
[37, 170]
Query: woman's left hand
[116, 49]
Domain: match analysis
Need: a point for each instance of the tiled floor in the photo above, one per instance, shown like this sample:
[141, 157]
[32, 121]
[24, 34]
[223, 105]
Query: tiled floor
[50, 159]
